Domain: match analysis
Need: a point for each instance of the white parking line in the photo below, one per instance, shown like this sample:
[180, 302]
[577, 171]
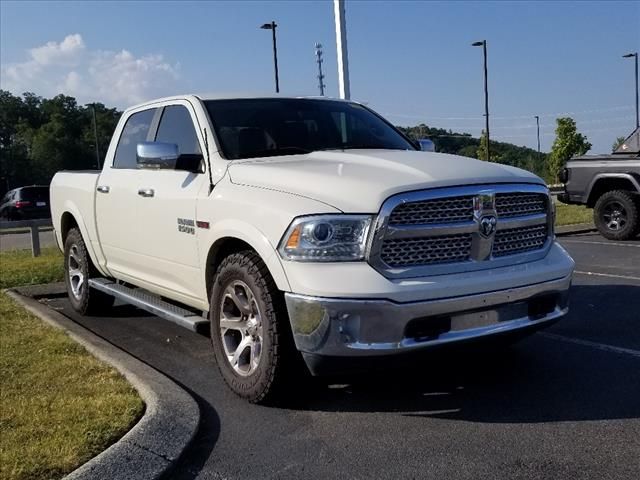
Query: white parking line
[635, 245]
[586, 343]
[610, 275]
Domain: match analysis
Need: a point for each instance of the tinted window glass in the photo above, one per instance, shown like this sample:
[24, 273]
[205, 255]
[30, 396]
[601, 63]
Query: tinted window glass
[176, 127]
[35, 194]
[134, 132]
[272, 126]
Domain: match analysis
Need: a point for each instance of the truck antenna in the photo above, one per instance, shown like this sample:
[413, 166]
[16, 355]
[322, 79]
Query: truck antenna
[206, 146]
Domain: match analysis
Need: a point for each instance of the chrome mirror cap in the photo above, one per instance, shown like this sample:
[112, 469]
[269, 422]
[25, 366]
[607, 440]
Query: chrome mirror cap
[157, 155]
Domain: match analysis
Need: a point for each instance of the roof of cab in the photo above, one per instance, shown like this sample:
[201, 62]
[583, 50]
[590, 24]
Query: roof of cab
[227, 96]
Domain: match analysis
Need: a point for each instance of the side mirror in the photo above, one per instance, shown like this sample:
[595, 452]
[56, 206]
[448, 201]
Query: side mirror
[157, 155]
[426, 145]
[165, 156]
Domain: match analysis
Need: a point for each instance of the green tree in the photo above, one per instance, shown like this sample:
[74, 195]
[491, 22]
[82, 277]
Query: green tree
[619, 141]
[568, 143]
[40, 136]
[482, 150]
[469, 151]
[106, 121]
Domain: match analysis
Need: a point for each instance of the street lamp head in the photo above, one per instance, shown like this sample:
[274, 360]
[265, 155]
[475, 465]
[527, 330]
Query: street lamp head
[269, 26]
[630, 55]
[478, 44]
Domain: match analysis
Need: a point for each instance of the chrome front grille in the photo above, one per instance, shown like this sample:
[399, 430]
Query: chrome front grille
[444, 210]
[461, 229]
[518, 240]
[427, 251]
[517, 204]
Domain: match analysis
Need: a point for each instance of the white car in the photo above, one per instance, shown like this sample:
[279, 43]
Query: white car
[306, 229]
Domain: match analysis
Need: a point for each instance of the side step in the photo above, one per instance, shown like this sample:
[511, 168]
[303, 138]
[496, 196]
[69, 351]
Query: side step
[151, 303]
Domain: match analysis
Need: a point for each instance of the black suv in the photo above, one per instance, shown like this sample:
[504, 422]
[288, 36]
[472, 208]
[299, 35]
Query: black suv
[26, 203]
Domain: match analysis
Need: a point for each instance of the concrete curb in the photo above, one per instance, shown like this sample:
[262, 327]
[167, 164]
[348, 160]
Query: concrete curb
[153, 446]
[577, 228]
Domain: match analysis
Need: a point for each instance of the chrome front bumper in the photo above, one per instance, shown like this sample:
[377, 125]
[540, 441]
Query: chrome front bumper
[335, 327]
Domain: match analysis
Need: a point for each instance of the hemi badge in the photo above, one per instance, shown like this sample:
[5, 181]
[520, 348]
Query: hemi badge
[200, 224]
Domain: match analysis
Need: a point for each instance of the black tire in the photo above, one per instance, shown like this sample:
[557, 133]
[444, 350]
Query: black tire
[616, 215]
[83, 299]
[266, 380]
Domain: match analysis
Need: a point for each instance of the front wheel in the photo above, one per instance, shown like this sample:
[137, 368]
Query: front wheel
[250, 332]
[78, 269]
[616, 215]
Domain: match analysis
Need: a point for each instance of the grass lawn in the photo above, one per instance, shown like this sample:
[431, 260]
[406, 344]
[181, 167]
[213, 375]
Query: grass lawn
[572, 214]
[18, 267]
[59, 406]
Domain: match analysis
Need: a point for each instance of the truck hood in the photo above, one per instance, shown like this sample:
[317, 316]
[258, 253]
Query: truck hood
[360, 180]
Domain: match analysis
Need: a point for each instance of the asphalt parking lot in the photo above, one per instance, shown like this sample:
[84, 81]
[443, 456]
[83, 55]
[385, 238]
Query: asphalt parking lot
[564, 403]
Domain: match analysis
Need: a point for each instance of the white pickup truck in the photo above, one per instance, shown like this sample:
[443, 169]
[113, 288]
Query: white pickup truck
[306, 229]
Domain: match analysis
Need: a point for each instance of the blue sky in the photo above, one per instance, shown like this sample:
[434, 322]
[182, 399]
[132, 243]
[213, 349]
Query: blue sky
[410, 60]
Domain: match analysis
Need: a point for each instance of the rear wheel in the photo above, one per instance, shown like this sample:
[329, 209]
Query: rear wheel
[250, 330]
[78, 269]
[616, 215]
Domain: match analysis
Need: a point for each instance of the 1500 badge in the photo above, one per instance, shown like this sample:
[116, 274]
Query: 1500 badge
[186, 225]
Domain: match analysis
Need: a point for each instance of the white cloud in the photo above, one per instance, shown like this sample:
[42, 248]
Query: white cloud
[67, 51]
[69, 67]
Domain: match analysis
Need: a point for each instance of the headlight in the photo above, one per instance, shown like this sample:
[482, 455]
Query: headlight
[326, 238]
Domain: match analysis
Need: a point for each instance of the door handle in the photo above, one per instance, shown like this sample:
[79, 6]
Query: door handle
[103, 188]
[146, 192]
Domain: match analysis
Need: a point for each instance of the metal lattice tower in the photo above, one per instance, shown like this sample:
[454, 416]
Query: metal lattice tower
[319, 61]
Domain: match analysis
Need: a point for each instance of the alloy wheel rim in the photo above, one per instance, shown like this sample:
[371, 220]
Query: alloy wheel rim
[615, 215]
[241, 328]
[76, 276]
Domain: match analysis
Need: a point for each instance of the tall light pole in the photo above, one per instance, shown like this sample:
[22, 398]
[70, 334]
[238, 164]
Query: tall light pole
[538, 130]
[483, 44]
[272, 26]
[341, 47]
[630, 55]
[320, 74]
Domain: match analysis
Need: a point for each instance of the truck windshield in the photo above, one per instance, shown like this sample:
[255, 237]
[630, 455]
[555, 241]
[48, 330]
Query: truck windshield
[261, 127]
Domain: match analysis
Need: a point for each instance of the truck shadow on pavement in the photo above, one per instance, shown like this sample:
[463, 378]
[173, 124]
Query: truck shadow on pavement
[539, 379]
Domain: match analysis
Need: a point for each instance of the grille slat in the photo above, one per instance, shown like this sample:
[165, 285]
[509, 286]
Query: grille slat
[444, 210]
[518, 204]
[441, 249]
[427, 251]
[519, 240]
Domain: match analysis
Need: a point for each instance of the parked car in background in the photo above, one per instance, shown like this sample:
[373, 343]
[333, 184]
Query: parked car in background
[26, 203]
[610, 184]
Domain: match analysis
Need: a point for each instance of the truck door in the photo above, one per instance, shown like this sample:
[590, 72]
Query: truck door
[116, 198]
[167, 242]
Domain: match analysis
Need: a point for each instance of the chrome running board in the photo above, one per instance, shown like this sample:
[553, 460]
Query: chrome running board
[151, 303]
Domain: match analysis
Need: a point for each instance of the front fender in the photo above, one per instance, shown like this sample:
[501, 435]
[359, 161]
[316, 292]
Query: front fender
[254, 237]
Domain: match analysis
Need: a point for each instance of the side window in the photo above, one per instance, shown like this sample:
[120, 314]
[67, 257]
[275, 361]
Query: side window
[176, 127]
[134, 132]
